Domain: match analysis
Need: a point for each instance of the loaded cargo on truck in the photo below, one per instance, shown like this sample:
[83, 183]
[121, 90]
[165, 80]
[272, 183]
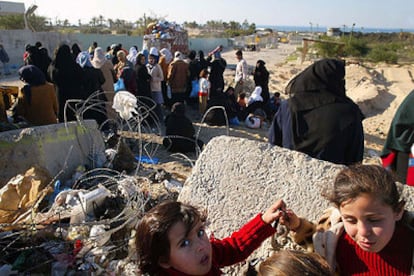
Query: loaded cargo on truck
[168, 35]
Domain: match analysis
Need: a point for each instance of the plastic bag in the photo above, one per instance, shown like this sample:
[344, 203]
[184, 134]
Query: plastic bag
[119, 85]
[195, 87]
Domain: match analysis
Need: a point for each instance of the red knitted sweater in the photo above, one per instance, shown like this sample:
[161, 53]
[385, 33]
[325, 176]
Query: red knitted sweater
[395, 259]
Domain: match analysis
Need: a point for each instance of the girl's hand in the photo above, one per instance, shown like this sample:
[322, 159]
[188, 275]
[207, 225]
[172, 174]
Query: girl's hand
[274, 212]
[290, 220]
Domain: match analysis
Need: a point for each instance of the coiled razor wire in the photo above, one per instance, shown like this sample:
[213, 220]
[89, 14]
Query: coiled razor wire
[133, 131]
[24, 236]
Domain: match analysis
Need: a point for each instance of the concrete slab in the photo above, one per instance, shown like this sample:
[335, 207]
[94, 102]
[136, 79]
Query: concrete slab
[57, 148]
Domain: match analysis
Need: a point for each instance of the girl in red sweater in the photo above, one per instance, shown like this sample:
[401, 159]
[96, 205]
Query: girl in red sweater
[379, 234]
[171, 240]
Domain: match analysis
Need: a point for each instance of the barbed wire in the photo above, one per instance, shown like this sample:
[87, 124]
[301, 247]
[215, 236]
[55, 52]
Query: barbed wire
[125, 202]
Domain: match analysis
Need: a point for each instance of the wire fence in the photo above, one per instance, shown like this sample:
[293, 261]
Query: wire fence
[89, 225]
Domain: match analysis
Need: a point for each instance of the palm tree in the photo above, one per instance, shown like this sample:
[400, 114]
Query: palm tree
[93, 21]
[110, 23]
[101, 20]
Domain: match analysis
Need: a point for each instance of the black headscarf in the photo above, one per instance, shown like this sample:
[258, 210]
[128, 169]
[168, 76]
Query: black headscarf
[321, 83]
[319, 107]
[31, 75]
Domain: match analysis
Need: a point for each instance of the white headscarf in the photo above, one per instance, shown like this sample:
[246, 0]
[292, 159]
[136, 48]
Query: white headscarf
[153, 51]
[256, 95]
[178, 55]
[132, 56]
[98, 58]
[168, 56]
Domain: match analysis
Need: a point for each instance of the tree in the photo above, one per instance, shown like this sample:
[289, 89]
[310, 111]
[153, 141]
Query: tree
[234, 25]
[101, 20]
[110, 23]
[12, 22]
[191, 24]
[94, 21]
[245, 25]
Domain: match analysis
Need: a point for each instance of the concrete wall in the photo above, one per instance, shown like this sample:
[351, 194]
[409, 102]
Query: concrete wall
[236, 178]
[57, 148]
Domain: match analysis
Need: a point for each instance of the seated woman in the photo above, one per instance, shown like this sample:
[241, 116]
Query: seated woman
[180, 131]
[255, 101]
[36, 102]
[227, 100]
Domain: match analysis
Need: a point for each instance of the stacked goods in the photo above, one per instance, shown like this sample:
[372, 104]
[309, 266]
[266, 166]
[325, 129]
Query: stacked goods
[165, 34]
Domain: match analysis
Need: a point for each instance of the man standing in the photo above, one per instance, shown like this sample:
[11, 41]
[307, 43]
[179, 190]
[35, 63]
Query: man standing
[177, 78]
[241, 74]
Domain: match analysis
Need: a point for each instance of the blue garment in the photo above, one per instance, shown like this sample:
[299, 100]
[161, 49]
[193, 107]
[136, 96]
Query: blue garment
[280, 132]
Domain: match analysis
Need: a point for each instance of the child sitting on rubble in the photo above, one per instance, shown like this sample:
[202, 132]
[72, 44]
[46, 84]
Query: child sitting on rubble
[368, 232]
[171, 239]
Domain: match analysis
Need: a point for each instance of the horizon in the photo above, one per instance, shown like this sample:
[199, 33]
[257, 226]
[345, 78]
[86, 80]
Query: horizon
[263, 12]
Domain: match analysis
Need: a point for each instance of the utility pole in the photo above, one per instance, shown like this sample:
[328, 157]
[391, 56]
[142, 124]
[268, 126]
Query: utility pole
[311, 29]
[352, 30]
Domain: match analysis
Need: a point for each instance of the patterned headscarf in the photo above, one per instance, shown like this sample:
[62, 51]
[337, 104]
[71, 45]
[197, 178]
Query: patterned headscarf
[83, 59]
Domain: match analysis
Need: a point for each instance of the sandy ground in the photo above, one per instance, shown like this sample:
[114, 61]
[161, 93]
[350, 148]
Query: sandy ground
[378, 89]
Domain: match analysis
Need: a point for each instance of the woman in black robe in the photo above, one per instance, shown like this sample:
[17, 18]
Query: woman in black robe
[67, 77]
[261, 78]
[319, 119]
[218, 65]
[92, 83]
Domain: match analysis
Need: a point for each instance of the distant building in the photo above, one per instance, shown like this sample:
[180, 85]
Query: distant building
[7, 8]
[333, 32]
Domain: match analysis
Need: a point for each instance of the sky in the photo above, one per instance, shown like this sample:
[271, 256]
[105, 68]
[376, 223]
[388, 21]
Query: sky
[313, 13]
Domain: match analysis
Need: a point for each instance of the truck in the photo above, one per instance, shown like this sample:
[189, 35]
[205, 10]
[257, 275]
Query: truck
[168, 35]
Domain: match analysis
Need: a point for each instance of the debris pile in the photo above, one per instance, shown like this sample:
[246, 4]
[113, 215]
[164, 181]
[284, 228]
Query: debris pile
[50, 228]
[85, 224]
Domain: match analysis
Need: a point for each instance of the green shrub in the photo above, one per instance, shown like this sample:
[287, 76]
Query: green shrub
[381, 53]
[328, 50]
[356, 48]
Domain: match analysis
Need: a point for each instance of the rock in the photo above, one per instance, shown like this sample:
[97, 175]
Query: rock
[236, 178]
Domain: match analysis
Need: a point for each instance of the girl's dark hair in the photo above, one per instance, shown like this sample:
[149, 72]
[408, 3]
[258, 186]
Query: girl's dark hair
[152, 240]
[373, 180]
